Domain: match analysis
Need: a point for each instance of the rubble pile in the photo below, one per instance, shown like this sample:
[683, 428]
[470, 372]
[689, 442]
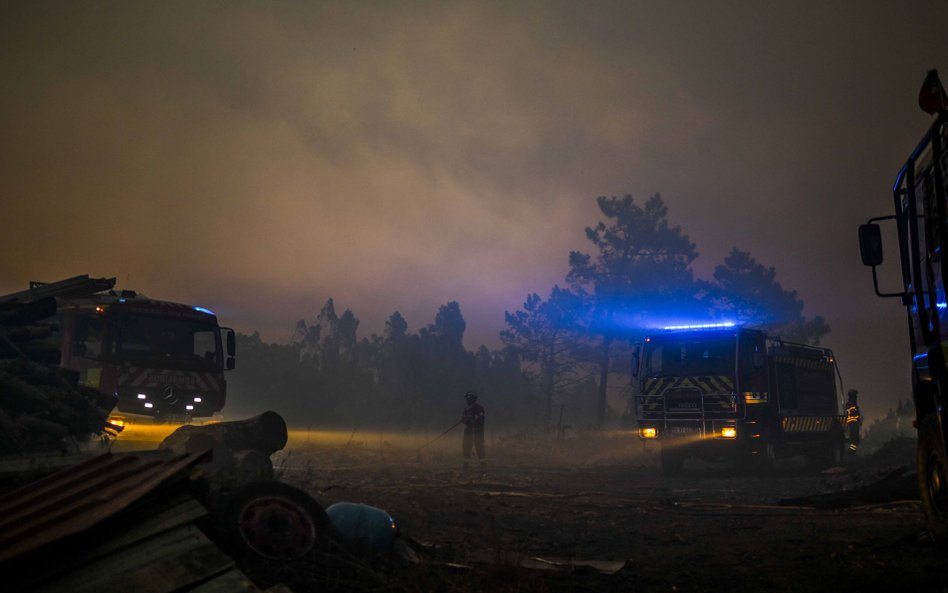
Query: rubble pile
[43, 407]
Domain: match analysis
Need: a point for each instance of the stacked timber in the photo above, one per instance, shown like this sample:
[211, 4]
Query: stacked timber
[42, 406]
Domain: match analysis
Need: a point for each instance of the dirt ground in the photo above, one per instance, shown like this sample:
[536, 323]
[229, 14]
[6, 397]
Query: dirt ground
[542, 507]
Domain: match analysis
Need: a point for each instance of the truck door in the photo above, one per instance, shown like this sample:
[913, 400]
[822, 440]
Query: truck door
[923, 208]
[752, 370]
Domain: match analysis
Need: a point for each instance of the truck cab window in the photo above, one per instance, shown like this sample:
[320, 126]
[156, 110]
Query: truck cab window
[89, 336]
[205, 345]
[753, 368]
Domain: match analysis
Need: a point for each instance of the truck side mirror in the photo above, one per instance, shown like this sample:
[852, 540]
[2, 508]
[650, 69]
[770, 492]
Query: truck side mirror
[230, 339]
[870, 244]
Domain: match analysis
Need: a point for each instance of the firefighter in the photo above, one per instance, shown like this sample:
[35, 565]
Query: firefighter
[853, 420]
[473, 419]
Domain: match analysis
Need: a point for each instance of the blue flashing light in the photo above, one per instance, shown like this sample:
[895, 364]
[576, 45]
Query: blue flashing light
[701, 326]
[942, 305]
[920, 356]
[203, 310]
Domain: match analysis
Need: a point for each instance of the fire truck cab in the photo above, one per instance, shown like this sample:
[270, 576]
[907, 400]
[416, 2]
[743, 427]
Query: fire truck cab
[160, 359]
[726, 392]
[920, 205]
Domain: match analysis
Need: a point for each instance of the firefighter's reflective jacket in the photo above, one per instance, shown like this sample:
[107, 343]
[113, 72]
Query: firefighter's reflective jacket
[853, 416]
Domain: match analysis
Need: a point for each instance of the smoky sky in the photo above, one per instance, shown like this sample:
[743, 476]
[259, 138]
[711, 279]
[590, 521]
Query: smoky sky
[259, 158]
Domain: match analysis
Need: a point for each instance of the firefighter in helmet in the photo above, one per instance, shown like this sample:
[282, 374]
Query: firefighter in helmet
[473, 419]
[853, 420]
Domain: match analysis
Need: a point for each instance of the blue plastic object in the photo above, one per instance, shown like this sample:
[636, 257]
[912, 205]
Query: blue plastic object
[363, 526]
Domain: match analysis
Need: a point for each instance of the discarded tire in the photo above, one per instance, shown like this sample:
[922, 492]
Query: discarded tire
[275, 521]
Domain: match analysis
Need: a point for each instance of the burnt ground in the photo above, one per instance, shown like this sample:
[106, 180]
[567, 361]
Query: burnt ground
[712, 529]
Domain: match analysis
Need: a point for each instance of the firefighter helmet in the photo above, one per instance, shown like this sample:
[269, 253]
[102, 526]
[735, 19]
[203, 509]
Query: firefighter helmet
[470, 397]
[852, 393]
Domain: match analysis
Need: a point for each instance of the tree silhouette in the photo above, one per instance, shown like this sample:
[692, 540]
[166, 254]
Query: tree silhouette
[749, 292]
[642, 269]
[546, 335]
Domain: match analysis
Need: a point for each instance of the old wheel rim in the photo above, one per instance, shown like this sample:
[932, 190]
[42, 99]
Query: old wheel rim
[276, 528]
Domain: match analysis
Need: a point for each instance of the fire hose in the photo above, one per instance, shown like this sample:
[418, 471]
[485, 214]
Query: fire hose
[452, 427]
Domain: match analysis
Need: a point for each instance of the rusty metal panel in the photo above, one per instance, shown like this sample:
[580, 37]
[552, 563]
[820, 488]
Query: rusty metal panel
[77, 498]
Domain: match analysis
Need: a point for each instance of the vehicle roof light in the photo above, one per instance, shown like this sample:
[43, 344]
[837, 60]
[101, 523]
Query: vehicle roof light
[203, 310]
[701, 326]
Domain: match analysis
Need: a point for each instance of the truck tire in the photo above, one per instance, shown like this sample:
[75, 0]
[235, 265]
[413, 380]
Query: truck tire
[673, 461]
[932, 464]
[758, 460]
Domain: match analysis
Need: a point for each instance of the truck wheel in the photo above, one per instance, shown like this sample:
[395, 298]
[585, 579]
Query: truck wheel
[932, 464]
[673, 461]
[758, 458]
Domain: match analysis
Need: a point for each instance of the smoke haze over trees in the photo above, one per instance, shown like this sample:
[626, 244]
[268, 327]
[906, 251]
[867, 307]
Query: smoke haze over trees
[570, 351]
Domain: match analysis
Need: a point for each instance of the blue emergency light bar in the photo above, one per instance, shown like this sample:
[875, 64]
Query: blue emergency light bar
[203, 310]
[701, 326]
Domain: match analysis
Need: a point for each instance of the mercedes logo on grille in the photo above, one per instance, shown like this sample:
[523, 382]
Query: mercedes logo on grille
[169, 395]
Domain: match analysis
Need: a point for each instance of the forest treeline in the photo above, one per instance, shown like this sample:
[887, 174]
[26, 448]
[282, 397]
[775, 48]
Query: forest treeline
[564, 358]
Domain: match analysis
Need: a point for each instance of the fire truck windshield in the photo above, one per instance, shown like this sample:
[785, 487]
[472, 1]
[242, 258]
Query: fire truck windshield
[689, 356]
[161, 340]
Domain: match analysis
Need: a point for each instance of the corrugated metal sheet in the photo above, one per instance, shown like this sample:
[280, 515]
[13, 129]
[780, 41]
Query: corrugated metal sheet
[75, 499]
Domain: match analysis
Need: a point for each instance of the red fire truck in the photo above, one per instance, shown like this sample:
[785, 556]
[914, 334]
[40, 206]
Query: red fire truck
[719, 391]
[160, 359]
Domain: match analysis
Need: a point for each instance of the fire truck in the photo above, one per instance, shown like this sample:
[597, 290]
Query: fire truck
[160, 359]
[720, 391]
[919, 202]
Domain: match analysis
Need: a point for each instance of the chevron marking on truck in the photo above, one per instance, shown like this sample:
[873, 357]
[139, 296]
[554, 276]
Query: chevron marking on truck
[818, 365]
[145, 377]
[807, 423]
[706, 384]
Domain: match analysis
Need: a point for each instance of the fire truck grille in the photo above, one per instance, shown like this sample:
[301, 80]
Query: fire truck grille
[683, 401]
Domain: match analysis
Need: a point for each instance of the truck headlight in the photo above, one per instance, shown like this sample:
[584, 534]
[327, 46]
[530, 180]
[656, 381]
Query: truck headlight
[648, 433]
[729, 432]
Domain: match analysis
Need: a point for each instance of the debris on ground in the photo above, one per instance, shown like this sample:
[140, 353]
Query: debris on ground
[161, 521]
[115, 523]
[896, 485]
[241, 449]
[363, 527]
